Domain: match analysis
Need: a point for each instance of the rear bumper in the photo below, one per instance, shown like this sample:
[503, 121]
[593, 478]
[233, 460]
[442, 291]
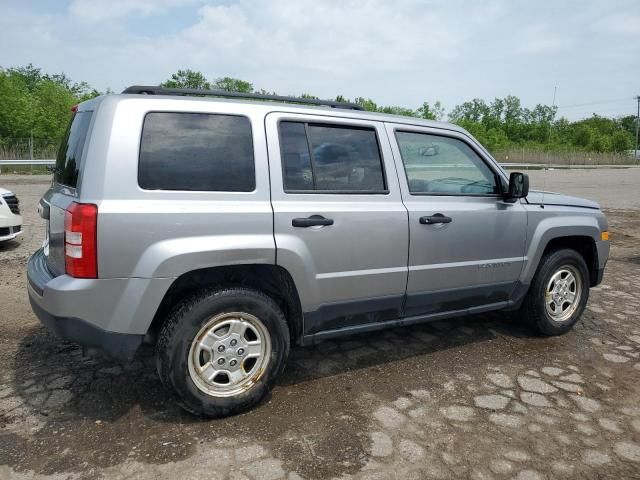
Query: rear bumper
[112, 315]
[120, 346]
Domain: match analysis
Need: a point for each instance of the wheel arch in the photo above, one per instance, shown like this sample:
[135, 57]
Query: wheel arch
[273, 280]
[579, 233]
[584, 245]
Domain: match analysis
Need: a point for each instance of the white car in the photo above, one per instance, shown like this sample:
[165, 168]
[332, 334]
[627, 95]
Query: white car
[10, 219]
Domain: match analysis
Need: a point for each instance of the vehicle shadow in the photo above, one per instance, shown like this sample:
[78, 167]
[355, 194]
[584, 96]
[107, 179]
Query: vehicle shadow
[9, 245]
[53, 377]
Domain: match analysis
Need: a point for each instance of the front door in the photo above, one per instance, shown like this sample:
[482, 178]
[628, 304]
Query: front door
[466, 243]
[339, 223]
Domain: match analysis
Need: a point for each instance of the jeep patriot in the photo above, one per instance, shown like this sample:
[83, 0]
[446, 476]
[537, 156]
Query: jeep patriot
[224, 230]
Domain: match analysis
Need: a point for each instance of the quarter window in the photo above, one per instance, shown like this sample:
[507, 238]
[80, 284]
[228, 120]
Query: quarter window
[196, 151]
[70, 151]
[440, 165]
[318, 157]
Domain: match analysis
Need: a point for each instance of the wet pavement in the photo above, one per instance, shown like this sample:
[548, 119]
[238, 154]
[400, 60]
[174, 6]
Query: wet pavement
[479, 397]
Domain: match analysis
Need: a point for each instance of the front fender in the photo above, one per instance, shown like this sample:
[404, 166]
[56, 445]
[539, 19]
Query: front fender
[543, 230]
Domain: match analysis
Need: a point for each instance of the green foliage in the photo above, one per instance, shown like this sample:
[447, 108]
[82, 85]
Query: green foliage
[33, 103]
[233, 85]
[187, 79]
[620, 141]
[428, 112]
[38, 105]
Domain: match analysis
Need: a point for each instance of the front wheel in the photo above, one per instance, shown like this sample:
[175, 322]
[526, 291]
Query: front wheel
[558, 294]
[221, 351]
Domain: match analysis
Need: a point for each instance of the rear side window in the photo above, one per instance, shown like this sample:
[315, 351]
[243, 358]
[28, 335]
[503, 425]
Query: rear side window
[70, 152]
[196, 151]
[330, 158]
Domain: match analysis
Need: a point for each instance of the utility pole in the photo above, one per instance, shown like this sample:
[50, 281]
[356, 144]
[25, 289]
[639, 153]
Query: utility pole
[635, 152]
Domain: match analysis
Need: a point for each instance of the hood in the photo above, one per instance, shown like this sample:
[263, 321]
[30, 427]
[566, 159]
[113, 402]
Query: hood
[537, 197]
[4, 191]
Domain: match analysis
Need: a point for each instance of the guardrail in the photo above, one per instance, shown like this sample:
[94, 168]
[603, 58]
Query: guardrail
[560, 166]
[12, 163]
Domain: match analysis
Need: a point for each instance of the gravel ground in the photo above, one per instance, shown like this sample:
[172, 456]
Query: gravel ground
[480, 397]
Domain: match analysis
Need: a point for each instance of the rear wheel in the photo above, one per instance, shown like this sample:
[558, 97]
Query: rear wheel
[558, 294]
[221, 351]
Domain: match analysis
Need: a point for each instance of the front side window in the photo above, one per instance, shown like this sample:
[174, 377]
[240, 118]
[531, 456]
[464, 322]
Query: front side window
[318, 157]
[440, 165]
[196, 151]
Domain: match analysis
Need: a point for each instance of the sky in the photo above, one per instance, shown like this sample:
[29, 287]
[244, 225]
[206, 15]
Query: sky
[401, 52]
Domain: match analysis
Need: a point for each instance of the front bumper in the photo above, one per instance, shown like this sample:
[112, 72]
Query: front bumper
[112, 315]
[9, 233]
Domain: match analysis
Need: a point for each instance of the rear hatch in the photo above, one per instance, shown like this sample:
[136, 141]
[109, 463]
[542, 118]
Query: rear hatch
[62, 193]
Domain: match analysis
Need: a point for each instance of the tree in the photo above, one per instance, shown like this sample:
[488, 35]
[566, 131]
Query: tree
[582, 136]
[29, 74]
[233, 85]
[428, 112]
[621, 141]
[366, 103]
[187, 79]
[599, 143]
[473, 111]
[36, 103]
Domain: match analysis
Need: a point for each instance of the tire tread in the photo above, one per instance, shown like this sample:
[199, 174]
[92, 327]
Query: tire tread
[169, 332]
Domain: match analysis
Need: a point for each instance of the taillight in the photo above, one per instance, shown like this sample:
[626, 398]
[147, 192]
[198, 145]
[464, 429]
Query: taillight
[80, 240]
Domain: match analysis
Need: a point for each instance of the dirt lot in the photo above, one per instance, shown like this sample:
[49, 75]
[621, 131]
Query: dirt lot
[476, 398]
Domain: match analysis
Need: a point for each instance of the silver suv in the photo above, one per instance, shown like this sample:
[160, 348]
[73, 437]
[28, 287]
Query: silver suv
[225, 230]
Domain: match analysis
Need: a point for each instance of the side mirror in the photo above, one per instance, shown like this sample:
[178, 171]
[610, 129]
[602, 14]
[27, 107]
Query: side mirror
[518, 186]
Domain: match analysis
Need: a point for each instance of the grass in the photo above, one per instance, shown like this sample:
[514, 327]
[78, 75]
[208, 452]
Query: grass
[571, 158]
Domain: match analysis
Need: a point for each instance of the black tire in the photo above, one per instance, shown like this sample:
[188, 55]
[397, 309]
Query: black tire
[186, 320]
[533, 308]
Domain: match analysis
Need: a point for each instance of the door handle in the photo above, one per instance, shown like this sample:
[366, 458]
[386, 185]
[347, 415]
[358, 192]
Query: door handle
[437, 218]
[312, 221]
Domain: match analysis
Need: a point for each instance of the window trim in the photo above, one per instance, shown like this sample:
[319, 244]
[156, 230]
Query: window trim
[330, 124]
[497, 177]
[253, 154]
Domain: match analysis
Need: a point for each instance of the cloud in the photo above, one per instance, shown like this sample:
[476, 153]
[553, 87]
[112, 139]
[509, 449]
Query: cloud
[398, 53]
[98, 10]
[540, 40]
[619, 24]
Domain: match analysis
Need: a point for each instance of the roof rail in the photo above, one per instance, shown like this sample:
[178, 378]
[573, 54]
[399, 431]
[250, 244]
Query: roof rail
[155, 90]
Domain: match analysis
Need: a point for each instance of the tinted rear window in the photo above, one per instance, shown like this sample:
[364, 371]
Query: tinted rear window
[70, 152]
[196, 151]
[330, 158]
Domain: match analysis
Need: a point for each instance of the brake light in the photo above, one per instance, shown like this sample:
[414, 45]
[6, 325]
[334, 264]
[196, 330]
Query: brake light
[80, 240]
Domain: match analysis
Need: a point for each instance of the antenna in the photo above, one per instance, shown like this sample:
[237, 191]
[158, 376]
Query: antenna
[546, 171]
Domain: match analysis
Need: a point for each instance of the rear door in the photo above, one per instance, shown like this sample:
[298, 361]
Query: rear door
[466, 243]
[339, 223]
